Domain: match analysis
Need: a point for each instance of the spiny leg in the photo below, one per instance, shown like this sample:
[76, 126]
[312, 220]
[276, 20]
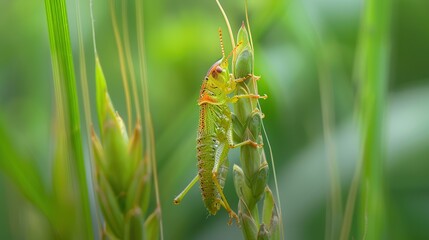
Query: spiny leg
[247, 142]
[219, 160]
[232, 214]
[223, 200]
[242, 79]
[179, 197]
[233, 81]
[236, 97]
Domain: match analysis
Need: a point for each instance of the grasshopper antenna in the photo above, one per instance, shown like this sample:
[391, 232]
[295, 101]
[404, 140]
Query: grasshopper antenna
[223, 48]
[221, 42]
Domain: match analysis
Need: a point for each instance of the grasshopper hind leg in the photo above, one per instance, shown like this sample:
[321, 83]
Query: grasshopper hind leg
[220, 161]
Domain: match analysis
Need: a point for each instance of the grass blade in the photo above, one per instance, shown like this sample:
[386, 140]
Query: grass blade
[373, 76]
[372, 73]
[24, 175]
[63, 70]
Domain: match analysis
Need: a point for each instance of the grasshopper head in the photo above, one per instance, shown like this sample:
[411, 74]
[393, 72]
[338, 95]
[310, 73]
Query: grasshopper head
[217, 80]
[218, 74]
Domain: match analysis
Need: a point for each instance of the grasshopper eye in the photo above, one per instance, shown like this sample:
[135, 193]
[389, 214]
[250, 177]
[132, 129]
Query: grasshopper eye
[216, 70]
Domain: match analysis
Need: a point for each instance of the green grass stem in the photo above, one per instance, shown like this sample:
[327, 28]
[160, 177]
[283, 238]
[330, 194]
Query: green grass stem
[148, 124]
[64, 76]
[373, 76]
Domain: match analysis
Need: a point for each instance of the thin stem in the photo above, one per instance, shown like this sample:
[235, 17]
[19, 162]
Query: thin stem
[228, 26]
[150, 138]
[351, 199]
[122, 63]
[85, 92]
[83, 72]
[335, 207]
[255, 87]
[373, 55]
[91, 10]
[129, 57]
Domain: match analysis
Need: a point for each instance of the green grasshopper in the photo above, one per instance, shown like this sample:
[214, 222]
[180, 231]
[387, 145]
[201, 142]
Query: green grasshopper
[214, 137]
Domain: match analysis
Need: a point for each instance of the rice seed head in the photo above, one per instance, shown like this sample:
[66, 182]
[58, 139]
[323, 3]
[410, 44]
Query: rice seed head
[270, 215]
[263, 233]
[241, 187]
[259, 181]
[152, 226]
[134, 224]
[248, 225]
[243, 58]
[123, 171]
[245, 48]
[253, 174]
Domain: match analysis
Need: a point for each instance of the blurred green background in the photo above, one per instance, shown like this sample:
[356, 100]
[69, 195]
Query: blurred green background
[182, 42]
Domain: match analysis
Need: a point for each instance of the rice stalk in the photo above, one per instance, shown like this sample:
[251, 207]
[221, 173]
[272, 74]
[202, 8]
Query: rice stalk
[122, 172]
[250, 180]
[150, 135]
[372, 74]
[373, 77]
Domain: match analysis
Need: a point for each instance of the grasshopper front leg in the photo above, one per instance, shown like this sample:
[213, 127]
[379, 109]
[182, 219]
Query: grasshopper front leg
[247, 142]
[242, 79]
[233, 86]
[235, 98]
[232, 83]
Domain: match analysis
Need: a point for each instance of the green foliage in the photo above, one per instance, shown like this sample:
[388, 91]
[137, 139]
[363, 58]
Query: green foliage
[24, 174]
[180, 38]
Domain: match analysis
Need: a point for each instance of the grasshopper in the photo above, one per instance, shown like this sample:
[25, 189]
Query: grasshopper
[214, 138]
